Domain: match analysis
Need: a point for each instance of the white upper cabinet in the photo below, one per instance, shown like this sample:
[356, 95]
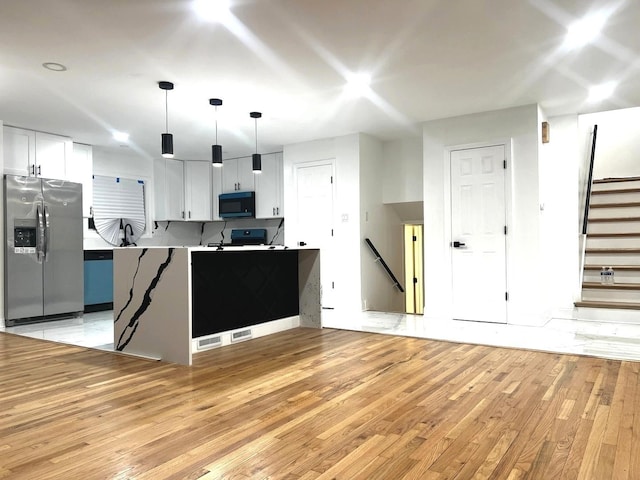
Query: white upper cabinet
[269, 187]
[52, 152]
[198, 191]
[237, 175]
[19, 148]
[182, 190]
[80, 170]
[216, 189]
[36, 154]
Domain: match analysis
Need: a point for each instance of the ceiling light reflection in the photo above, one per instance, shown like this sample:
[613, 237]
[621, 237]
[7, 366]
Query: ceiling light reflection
[584, 31]
[212, 10]
[358, 84]
[601, 92]
[121, 136]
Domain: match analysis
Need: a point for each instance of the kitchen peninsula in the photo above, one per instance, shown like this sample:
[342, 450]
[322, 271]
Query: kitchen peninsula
[172, 301]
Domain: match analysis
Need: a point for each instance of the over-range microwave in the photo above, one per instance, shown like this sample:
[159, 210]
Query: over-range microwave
[237, 205]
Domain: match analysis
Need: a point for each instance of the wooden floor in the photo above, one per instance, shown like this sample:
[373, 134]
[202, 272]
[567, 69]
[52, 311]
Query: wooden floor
[307, 404]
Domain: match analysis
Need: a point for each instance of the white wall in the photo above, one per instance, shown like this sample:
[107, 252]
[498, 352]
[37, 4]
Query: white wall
[520, 126]
[617, 143]
[344, 151]
[1, 226]
[559, 220]
[379, 223]
[402, 171]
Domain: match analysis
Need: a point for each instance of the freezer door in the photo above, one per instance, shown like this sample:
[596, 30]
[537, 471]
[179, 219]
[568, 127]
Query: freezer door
[63, 257]
[24, 233]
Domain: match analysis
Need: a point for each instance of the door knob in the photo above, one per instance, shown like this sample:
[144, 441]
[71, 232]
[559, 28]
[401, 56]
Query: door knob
[457, 244]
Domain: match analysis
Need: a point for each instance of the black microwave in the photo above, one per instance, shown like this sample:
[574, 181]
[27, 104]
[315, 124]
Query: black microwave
[237, 205]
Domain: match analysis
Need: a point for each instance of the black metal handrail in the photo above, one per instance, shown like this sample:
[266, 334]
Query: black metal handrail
[587, 202]
[379, 258]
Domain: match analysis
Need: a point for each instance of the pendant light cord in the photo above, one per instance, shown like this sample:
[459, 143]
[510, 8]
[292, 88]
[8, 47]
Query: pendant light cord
[216, 124]
[166, 109]
[256, 123]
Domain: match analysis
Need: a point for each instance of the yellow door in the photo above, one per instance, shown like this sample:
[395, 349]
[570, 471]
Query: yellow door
[413, 270]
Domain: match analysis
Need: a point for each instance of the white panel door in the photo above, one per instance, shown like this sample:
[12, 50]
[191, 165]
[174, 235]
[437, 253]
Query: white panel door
[314, 219]
[478, 240]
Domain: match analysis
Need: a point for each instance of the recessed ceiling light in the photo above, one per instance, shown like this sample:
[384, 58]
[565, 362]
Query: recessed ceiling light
[56, 67]
[212, 10]
[601, 92]
[121, 136]
[358, 84]
[584, 31]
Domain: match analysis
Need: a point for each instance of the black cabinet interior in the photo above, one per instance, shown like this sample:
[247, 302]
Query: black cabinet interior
[235, 289]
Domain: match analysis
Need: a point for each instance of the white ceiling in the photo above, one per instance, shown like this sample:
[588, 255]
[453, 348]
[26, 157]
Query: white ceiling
[288, 59]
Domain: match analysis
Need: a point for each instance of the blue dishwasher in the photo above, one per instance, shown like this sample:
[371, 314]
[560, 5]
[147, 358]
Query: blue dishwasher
[98, 280]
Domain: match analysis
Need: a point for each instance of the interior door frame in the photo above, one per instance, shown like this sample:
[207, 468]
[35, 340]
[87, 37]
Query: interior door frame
[507, 143]
[331, 161]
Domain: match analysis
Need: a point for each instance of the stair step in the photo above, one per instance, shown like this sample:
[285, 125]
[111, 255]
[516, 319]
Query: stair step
[615, 205]
[616, 305]
[616, 180]
[621, 251]
[628, 268]
[615, 190]
[614, 235]
[615, 286]
[614, 219]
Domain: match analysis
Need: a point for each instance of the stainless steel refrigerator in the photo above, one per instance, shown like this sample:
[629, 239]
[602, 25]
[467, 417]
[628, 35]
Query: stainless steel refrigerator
[43, 275]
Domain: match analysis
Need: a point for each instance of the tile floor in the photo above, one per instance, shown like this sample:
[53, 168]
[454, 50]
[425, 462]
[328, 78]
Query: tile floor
[602, 339]
[93, 330]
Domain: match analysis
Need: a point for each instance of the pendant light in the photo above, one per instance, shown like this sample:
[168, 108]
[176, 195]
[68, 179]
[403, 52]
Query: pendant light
[167, 138]
[256, 157]
[216, 150]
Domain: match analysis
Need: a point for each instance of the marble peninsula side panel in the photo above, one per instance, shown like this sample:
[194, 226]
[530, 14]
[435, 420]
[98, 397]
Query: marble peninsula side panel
[309, 288]
[151, 303]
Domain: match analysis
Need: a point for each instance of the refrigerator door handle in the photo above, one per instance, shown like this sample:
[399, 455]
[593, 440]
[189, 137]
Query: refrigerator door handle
[39, 234]
[47, 235]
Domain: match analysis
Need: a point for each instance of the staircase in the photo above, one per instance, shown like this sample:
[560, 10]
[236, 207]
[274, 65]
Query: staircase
[613, 240]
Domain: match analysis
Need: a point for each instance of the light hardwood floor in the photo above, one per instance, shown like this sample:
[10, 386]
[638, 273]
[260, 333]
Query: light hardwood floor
[308, 404]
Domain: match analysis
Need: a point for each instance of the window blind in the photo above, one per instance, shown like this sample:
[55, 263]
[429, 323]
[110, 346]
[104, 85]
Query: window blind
[118, 201]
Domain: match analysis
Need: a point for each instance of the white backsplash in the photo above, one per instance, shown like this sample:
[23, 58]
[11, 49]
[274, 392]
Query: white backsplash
[191, 233]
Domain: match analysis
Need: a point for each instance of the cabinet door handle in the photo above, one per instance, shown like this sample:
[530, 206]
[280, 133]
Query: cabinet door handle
[183, 214]
[33, 170]
[278, 210]
[39, 170]
[189, 213]
[274, 210]
[238, 185]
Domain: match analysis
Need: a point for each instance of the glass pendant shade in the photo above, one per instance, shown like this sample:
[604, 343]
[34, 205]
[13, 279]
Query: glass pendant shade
[216, 155]
[256, 162]
[167, 145]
